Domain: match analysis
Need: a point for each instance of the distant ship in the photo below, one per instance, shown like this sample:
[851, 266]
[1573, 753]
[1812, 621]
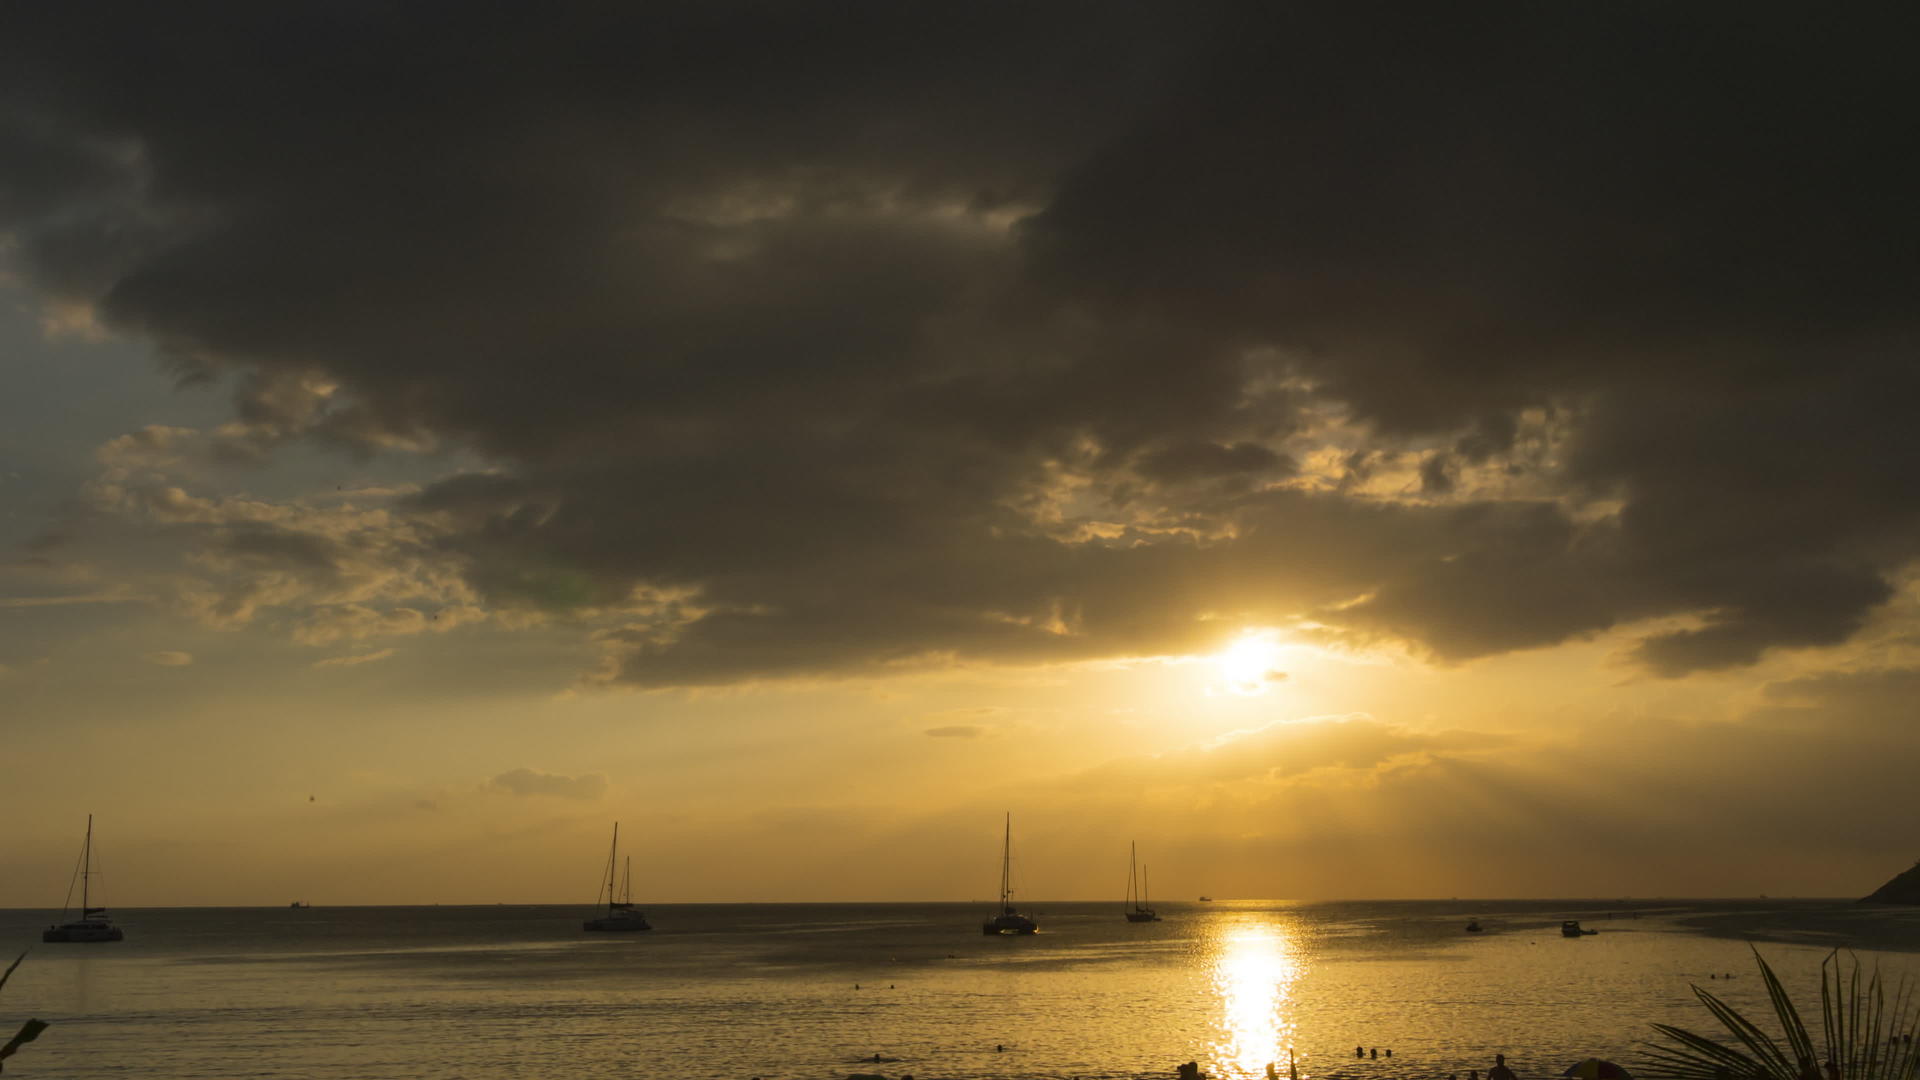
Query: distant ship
[1571, 928]
[1206, 899]
[1007, 920]
[93, 924]
[620, 913]
[1138, 910]
[299, 904]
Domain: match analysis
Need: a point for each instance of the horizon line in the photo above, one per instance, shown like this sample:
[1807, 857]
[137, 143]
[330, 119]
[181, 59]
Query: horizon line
[962, 903]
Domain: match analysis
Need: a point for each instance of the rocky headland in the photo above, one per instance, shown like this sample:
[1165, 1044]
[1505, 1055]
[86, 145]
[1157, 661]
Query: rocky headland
[1903, 889]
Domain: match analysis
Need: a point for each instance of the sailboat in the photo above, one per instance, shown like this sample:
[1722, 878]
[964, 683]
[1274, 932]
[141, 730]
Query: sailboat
[1007, 920]
[1138, 911]
[93, 924]
[620, 914]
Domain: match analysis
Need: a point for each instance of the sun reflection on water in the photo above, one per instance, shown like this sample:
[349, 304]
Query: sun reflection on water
[1255, 968]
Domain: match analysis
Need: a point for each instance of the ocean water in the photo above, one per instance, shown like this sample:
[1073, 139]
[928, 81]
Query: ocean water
[809, 991]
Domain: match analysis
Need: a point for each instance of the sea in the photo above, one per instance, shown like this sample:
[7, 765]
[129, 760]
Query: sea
[818, 990]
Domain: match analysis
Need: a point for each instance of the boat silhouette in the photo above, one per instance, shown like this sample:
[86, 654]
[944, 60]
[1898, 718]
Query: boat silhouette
[1006, 920]
[620, 915]
[1137, 909]
[93, 924]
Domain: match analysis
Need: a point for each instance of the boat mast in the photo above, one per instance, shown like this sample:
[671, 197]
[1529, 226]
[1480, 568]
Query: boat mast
[1133, 894]
[626, 882]
[613, 862]
[1145, 904]
[1006, 868]
[86, 868]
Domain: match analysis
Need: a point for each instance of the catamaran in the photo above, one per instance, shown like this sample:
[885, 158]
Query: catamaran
[93, 924]
[1007, 920]
[620, 913]
[1137, 908]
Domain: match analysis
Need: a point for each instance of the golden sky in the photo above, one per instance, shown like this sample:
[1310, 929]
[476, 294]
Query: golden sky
[1351, 458]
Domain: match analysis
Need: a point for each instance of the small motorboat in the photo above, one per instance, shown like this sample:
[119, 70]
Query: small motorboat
[1473, 926]
[1571, 928]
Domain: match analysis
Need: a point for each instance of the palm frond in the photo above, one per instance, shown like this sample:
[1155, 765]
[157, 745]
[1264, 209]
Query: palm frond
[30, 1030]
[1701, 1057]
[1863, 1036]
[8, 974]
[1773, 1063]
[1788, 1015]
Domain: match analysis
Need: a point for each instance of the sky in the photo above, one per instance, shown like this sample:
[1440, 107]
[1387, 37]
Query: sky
[1350, 450]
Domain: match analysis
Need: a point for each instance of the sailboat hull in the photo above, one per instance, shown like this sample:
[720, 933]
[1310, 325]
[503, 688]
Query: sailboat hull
[1008, 924]
[617, 923]
[1142, 916]
[81, 931]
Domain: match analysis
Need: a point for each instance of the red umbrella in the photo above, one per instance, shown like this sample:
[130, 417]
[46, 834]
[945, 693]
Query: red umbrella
[1595, 1069]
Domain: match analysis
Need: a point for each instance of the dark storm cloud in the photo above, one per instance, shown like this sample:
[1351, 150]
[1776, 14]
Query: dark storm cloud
[49, 169]
[983, 333]
[1184, 460]
[1693, 224]
[280, 547]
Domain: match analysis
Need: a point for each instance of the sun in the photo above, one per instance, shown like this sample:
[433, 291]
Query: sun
[1251, 663]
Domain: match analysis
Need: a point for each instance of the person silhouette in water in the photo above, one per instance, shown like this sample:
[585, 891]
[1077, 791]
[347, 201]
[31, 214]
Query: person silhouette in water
[1500, 1070]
